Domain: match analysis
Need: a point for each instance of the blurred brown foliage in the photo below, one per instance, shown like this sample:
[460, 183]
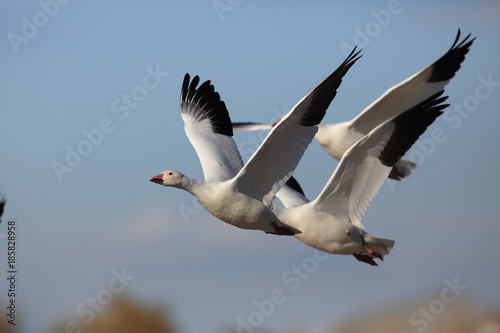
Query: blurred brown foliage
[456, 317]
[124, 315]
[6, 327]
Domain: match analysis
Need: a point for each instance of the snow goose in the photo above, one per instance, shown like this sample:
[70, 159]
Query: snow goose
[238, 194]
[337, 138]
[332, 222]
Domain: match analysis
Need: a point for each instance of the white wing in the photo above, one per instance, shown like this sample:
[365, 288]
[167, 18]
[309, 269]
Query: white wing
[208, 127]
[280, 152]
[416, 88]
[366, 165]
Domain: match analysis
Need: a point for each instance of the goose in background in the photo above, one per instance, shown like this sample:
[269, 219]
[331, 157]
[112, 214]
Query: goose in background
[337, 138]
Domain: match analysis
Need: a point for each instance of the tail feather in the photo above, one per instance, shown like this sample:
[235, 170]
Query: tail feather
[381, 245]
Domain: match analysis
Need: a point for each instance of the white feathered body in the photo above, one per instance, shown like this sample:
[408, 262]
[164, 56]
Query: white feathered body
[225, 203]
[337, 138]
[328, 233]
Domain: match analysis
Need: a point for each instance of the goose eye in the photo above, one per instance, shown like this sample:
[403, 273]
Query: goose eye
[170, 173]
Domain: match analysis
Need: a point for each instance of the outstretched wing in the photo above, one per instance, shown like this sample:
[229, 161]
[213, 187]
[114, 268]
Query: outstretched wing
[366, 165]
[416, 88]
[280, 152]
[208, 127]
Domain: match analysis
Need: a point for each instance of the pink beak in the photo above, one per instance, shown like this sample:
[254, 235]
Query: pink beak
[157, 179]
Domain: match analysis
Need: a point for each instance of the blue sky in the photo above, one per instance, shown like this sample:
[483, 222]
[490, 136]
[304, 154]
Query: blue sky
[64, 83]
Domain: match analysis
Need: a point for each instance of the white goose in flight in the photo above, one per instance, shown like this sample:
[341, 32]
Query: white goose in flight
[238, 194]
[332, 222]
[337, 138]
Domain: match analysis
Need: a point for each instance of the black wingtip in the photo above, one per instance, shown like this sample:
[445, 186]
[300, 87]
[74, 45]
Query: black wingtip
[409, 125]
[353, 56]
[461, 44]
[244, 123]
[208, 102]
[326, 91]
[445, 67]
[294, 185]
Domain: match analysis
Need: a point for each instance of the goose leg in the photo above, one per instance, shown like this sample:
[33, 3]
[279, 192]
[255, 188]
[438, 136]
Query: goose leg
[365, 258]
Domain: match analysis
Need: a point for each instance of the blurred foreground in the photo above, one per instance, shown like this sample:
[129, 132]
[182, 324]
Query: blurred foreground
[126, 315]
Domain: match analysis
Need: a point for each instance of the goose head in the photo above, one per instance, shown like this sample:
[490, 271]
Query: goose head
[172, 178]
